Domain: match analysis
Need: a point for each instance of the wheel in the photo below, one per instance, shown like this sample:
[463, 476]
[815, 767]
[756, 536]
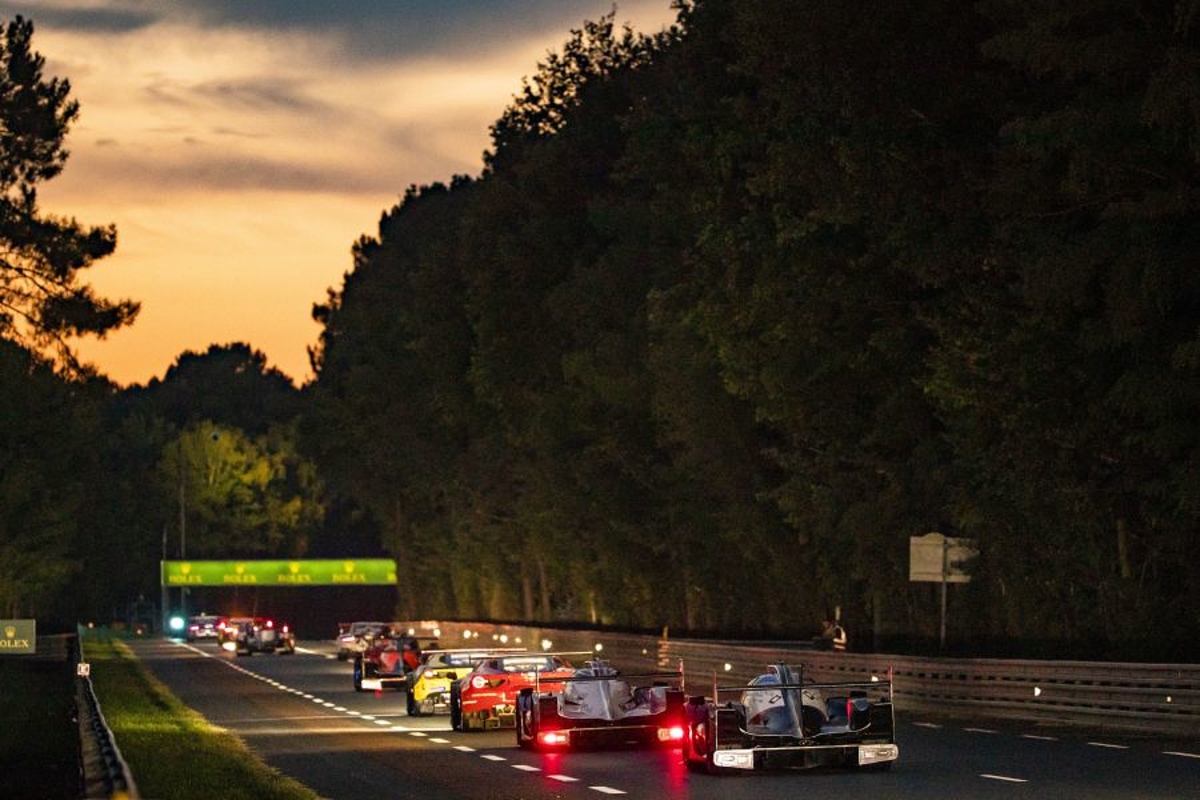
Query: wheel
[456, 715]
[526, 721]
[358, 674]
[413, 709]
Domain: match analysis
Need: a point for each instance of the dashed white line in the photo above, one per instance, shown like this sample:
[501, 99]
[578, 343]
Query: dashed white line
[526, 767]
[417, 733]
[933, 725]
[382, 722]
[605, 790]
[979, 730]
[1039, 738]
[440, 741]
[1005, 778]
[1180, 753]
[491, 757]
[1109, 746]
[462, 748]
[564, 778]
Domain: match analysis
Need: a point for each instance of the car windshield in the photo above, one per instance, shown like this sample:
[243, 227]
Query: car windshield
[527, 664]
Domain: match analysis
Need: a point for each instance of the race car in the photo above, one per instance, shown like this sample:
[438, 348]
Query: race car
[486, 698]
[600, 707]
[386, 661]
[428, 689]
[780, 721]
[248, 635]
[355, 637]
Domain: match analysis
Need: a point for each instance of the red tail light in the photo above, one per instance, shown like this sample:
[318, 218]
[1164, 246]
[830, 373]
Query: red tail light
[552, 738]
[270, 623]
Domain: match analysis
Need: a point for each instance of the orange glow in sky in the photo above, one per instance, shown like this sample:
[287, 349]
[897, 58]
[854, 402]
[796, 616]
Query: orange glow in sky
[240, 159]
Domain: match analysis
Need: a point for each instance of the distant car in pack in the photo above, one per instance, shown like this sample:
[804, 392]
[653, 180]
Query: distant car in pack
[387, 661]
[248, 635]
[486, 698]
[355, 637]
[202, 626]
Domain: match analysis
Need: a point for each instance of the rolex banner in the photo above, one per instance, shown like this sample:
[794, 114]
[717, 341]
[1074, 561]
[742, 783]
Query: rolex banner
[18, 636]
[309, 572]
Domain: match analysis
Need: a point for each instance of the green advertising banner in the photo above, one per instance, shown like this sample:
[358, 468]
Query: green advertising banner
[18, 636]
[304, 572]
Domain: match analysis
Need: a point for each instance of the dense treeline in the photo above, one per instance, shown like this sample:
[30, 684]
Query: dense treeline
[730, 313]
[735, 310]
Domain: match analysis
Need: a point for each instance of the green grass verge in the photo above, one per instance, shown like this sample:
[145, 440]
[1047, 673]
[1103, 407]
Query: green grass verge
[170, 749]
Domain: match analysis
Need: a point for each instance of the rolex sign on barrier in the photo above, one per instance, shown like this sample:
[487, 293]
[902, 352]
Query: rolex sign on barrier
[19, 636]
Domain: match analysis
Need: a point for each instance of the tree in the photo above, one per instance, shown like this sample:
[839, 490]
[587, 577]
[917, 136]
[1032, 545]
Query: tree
[43, 304]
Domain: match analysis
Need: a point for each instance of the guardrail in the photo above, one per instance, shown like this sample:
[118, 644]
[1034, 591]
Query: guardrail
[105, 773]
[1155, 698]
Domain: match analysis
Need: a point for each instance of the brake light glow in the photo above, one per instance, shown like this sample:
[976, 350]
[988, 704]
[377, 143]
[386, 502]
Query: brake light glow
[552, 738]
[672, 734]
[270, 623]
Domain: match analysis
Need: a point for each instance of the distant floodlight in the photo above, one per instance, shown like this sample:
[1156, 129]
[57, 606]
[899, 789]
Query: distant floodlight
[728, 666]
[504, 638]
[177, 623]
[437, 632]
[599, 647]
[466, 634]
[1037, 691]
[547, 644]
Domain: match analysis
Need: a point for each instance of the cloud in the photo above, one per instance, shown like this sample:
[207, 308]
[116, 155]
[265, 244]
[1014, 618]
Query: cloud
[241, 146]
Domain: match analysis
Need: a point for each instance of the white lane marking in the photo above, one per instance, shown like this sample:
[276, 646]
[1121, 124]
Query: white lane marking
[367, 716]
[1005, 778]
[440, 741]
[319, 701]
[417, 733]
[1180, 753]
[462, 748]
[490, 757]
[382, 722]
[526, 767]
[354, 713]
[1109, 746]
[563, 778]
[605, 790]
[933, 725]
[339, 708]
[979, 730]
[1039, 738]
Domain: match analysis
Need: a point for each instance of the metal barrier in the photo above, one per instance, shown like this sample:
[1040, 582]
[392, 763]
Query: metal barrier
[105, 773]
[1155, 698]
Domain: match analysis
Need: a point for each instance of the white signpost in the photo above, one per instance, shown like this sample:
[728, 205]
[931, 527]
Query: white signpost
[941, 559]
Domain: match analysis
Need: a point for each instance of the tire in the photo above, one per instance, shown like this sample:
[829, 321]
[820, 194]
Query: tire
[527, 721]
[358, 674]
[411, 707]
[456, 715]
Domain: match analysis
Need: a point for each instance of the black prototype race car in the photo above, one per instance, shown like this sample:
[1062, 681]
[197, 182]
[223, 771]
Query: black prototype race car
[600, 707]
[778, 721]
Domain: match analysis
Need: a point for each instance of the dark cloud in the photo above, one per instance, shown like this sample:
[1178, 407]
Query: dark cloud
[102, 20]
[364, 30]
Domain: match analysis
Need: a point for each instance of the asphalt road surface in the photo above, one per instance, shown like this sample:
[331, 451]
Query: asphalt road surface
[300, 713]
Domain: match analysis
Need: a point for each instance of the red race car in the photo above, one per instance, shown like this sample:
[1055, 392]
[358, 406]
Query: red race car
[487, 697]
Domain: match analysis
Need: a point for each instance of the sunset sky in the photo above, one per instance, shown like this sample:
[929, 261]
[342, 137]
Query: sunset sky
[241, 147]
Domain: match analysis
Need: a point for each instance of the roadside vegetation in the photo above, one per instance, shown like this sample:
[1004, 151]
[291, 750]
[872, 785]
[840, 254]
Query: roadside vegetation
[163, 741]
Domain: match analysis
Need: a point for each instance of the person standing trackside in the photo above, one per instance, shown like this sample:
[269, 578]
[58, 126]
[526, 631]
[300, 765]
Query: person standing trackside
[839, 638]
